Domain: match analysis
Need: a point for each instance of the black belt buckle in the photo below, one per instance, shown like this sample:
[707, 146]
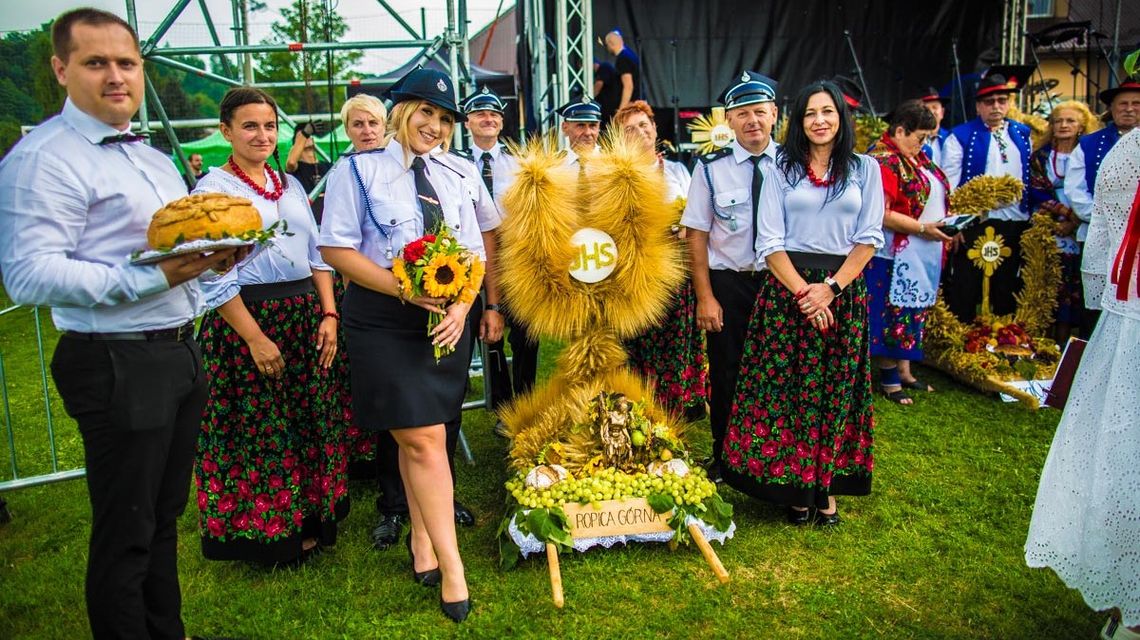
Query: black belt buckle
[177, 335]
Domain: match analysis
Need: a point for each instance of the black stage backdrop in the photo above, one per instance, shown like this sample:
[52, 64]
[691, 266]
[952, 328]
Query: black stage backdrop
[902, 46]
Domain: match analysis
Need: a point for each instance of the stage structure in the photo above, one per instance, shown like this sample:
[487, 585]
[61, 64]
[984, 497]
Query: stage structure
[241, 72]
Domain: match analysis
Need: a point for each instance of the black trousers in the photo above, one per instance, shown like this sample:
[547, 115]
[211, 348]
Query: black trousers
[517, 379]
[962, 281]
[139, 407]
[736, 292]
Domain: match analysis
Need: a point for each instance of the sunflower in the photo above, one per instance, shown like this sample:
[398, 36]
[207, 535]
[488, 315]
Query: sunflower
[444, 276]
[476, 269]
[400, 270]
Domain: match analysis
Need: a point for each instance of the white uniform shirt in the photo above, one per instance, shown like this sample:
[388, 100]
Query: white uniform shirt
[288, 258]
[952, 162]
[725, 210]
[380, 214]
[572, 156]
[504, 166]
[72, 211]
[677, 179]
[486, 208]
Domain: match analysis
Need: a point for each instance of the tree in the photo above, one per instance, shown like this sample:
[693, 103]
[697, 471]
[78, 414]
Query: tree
[306, 21]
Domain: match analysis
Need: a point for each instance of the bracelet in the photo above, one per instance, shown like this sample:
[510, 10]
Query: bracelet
[921, 228]
[491, 307]
[400, 291]
[330, 314]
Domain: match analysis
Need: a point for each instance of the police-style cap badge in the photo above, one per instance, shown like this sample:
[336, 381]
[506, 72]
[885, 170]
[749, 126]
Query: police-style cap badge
[581, 110]
[484, 100]
[748, 88]
[427, 84]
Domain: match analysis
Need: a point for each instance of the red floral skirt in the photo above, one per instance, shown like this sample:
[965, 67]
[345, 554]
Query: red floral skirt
[672, 354]
[801, 426]
[271, 469]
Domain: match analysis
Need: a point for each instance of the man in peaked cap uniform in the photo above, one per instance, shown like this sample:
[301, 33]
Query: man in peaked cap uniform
[581, 123]
[720, 214]
[1080, 180]
[497, 166]
[935, 104]
[994, 145]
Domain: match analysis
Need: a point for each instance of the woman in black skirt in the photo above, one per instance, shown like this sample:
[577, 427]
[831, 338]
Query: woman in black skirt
[376, 203]
[801, 427]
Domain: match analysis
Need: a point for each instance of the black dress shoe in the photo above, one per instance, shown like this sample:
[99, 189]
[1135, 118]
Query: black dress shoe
[797, 517]
[387, 530]
[457, 611]
[463, 516]
[827, 519]
[429, 578]
[713, 470]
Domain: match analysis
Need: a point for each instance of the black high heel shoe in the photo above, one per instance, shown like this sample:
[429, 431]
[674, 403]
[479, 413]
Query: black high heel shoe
[429, 578]
[798, 517]
[827, 519]
[457, 611]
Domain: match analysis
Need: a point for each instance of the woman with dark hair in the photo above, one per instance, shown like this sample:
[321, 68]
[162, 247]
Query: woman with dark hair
[902, 278]
[801, 426]
[271, 467]
[672, 354]
[377, 203]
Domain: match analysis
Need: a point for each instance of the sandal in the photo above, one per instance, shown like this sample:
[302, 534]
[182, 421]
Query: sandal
[898, 396]
[917, 385]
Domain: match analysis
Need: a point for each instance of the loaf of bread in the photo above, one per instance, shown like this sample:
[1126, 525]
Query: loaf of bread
[203, 216]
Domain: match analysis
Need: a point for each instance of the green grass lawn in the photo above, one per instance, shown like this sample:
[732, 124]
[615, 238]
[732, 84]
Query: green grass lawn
[934, 552]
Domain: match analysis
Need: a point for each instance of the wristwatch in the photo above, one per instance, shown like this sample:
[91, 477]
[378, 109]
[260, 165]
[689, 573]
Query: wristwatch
[835, 288]
[922, 228]
[491, 307]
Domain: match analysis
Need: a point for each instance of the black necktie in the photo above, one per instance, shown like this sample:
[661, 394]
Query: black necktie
[122, 137]
[757, 182]
[429, 201]
[488, 173]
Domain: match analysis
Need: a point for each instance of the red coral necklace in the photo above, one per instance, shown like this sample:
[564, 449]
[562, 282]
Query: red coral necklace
[815, 180]
[271, 196]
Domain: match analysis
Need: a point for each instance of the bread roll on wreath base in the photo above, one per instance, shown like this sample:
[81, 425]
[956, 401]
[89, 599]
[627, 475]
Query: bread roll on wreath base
[202, 216]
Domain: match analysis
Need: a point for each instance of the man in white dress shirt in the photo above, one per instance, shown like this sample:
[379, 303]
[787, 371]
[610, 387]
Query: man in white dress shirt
[993, 145]
[497, 167]
[720, 213]
[76, 197]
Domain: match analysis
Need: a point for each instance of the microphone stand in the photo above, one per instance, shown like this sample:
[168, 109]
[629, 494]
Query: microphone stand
[956, 83]
[675, 99]
[859, 72]
[1041, 74]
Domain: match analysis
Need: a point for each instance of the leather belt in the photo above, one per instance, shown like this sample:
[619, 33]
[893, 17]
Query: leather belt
[177, 334]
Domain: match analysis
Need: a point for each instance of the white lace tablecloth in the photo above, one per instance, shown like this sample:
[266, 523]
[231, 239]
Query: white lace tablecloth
[529, 544]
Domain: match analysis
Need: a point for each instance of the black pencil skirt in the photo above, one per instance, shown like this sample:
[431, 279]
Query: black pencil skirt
[396, 382]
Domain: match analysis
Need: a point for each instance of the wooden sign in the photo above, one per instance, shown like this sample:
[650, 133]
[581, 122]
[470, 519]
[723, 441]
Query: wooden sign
[615, 518]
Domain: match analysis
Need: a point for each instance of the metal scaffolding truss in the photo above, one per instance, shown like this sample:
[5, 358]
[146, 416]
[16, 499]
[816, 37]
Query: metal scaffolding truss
[572, 48]
[239, 71]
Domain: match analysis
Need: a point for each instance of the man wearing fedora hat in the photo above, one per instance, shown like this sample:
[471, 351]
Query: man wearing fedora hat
[1080, 180]
[935, 104]
[720, 214]
[992, 145]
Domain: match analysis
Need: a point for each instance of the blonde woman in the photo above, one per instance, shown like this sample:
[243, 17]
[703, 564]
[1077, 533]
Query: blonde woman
[364, 119]
[1048, 167]
[378, 203]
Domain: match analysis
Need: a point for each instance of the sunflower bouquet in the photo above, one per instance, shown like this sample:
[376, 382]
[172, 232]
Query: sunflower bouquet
[437, 266]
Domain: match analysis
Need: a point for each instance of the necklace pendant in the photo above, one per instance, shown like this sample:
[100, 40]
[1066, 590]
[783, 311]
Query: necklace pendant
[388, 253]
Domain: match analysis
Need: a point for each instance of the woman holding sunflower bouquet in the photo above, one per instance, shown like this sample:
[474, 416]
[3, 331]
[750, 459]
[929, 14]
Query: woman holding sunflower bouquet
[382, 206]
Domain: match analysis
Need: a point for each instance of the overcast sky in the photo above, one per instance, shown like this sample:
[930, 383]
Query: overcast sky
[366, 18]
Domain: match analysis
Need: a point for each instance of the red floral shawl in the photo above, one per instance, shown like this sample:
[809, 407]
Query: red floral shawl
[906, 187]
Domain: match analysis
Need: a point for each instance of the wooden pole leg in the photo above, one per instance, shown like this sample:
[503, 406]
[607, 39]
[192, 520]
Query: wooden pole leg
[707, 552]
[556, 574]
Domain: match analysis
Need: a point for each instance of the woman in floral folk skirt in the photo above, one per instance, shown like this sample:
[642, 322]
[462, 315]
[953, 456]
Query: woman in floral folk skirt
[271, 468]
[801, 425]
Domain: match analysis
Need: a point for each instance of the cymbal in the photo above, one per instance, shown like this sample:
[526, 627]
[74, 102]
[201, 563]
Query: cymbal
[1040, 87]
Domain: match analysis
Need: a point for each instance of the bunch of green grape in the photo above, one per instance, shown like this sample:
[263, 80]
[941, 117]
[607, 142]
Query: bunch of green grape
[612, 484]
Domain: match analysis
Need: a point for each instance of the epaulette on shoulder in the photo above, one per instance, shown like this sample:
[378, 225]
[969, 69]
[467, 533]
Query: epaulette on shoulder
[366, 152]
[712, 156]
[449, 167]
[462, 153]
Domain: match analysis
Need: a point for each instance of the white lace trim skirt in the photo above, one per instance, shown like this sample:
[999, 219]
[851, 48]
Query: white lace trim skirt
[1086, 520]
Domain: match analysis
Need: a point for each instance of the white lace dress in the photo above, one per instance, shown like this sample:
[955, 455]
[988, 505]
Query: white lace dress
[1086, 521]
